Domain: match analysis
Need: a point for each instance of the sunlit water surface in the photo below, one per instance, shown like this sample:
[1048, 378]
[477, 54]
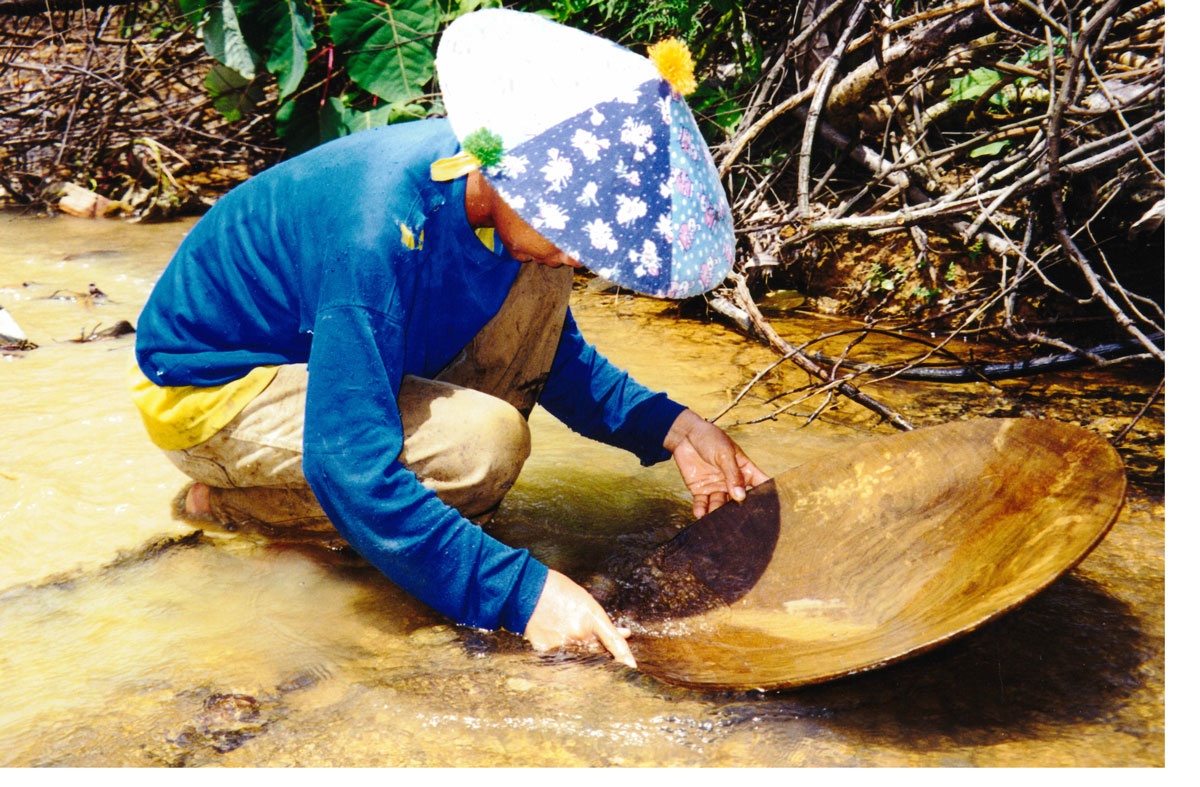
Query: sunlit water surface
[130, 638]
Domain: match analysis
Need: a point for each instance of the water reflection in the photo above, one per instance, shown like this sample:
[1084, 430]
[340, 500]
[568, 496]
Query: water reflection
[126, 639]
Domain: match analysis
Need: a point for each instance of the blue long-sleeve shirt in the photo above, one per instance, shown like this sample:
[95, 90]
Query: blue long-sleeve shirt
[351, 259]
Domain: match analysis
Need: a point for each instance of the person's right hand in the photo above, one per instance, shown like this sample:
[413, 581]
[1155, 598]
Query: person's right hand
[567, 615]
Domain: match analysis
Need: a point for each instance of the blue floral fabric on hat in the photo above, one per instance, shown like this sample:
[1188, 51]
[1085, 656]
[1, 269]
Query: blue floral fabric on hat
[629, 189]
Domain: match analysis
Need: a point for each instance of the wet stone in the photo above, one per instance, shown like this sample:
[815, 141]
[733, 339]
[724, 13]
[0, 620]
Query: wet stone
[225, 722]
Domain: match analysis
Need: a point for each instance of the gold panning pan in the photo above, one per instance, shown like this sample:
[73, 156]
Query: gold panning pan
[871, 554]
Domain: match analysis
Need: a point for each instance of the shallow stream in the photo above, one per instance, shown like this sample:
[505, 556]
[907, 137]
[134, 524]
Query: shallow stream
[130, 638]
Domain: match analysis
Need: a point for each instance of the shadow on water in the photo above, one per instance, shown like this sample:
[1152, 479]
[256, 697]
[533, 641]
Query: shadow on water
[1071, 654]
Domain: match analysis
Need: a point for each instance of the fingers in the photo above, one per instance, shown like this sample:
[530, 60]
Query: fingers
[613, 639]
[733, 476]
[706, 503]
[751, 474]
[566, 615]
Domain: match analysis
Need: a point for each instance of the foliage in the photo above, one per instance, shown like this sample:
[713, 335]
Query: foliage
[336, 66]
[339, 66]
[1000, 94]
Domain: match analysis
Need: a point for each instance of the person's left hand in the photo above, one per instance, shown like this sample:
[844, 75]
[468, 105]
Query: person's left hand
[714, 468]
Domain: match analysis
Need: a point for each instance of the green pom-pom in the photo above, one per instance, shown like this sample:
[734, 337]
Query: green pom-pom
[484, 145]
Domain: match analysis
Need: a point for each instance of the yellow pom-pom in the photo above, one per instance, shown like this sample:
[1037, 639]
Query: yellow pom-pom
[673, 60]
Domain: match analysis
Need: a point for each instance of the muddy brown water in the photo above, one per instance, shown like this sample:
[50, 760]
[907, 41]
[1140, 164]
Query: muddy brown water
[128, 638]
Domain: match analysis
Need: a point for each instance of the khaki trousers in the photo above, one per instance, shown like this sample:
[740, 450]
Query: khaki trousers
[465, 431]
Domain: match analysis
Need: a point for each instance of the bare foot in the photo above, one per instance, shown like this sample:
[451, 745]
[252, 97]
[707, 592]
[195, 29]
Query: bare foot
[196, 503]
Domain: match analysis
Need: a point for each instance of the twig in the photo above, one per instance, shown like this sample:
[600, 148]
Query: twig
[763, 329]
[746, 389]
[1120, 436]
[738, 144]
[1054, 173]
[773, 73]
[814, 111]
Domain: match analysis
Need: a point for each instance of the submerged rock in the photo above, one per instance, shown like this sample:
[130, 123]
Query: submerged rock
[225, 722]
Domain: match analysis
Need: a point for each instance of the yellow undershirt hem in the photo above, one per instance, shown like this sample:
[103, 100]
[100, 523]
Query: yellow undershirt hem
[183, 416]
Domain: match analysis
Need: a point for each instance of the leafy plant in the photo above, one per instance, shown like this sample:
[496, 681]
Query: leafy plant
[975, 84]
[884, 278]
[927, 294]
[999, 92]
[339, 66]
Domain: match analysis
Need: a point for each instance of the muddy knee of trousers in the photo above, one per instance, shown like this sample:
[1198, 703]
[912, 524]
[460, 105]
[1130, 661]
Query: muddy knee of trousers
[469, 449]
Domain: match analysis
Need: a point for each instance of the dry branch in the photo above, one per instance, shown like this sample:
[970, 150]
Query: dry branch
[819, 95]
[1056, 163]
[104, 93]
[760, 327]
[867, 81]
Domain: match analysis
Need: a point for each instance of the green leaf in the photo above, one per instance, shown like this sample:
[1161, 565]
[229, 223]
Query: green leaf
[282, 31]
[295, 123]
[195, 10]
[973, 85]
[388, 48]
[333, 120]
[224, 41]
[380, 116]
[991, 149]
[303, 124]
[414, 111]
[718, 112]
[455, 10]
[1038, 53]
[233, 94]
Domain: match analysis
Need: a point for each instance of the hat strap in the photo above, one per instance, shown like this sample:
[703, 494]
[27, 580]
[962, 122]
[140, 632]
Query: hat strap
[453, 167]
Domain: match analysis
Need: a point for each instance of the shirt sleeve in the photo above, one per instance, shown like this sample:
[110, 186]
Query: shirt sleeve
[602, 402]
[352, 438]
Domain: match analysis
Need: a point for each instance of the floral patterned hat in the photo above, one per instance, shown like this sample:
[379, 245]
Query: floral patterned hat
[592, 145]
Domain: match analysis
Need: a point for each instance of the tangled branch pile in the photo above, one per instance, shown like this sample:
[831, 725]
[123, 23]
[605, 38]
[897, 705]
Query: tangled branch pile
[969, 165]
[1002, 154]
[113, 98]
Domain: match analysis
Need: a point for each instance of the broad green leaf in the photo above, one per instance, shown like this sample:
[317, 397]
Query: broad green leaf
[381, 116]
[333, 120]
[388, 48]
[305, 123]
[282, 31]
[455, 10]
[973, 85]
[717, 110]
[991, 149]
[224, 41]
[295, 124]
[195, 10]
[233, 95]
[373, 118]
[414, 111]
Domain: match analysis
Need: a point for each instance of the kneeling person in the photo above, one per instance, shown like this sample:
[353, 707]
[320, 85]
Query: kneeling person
[359, 333]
